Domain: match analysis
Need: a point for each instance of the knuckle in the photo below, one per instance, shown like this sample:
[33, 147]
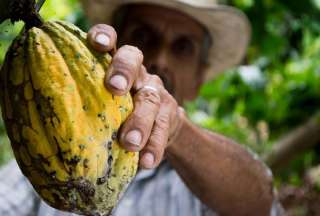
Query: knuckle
[124, 64]
[143, 71]
[149, 97]
[141, 119]
[127, 61]
[159, 133]
[173, 101]
[156, 145]
[169, 99]
[138, 118]
[156, 79]
[133, 49]
[162, 121]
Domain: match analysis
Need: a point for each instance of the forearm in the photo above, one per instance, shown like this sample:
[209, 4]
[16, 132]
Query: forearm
[220, 172]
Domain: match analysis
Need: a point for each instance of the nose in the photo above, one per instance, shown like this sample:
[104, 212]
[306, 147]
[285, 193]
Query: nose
[158, 64]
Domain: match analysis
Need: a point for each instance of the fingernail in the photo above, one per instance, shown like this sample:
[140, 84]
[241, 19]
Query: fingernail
[134, 137]
[103, 39]
[148, 160]
[118, 82]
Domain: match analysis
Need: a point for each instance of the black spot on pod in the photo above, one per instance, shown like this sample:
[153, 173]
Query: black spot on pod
[78, 56]
[114, 135]
[74, 160]
[85, 188]
[53, 174]
[110, 159]
[93, 67]
[56, 197]
[70, 184]
[43, 159]
[60, 155]
[109, 145]
[102, 116]
[73, 201]
[111, 189]
[101, 180]
[82, 146]
[85, 163]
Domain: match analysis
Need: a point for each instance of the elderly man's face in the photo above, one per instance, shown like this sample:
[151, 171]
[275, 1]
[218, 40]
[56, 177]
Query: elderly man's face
[171, 43]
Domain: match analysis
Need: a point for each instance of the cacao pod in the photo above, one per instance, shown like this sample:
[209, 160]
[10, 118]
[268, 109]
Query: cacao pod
[62, 122]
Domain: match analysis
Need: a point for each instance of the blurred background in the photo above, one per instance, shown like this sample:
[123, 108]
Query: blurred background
[269, 104]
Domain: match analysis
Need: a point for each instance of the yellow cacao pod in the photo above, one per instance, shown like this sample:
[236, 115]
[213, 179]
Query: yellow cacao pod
[62, 121]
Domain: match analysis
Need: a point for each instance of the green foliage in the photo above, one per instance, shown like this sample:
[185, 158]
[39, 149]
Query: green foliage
[278, 90]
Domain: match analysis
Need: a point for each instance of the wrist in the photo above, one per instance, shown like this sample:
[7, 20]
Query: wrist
[177, 136]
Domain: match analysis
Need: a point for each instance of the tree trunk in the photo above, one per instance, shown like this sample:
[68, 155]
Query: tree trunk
[297, 141]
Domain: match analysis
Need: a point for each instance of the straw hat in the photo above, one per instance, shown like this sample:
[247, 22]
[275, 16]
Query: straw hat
[228, 27]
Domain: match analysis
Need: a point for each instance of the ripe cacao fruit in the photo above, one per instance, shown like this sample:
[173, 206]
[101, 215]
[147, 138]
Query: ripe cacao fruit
[63, 122]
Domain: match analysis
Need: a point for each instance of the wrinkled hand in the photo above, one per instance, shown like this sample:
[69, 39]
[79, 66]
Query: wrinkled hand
[156, 117]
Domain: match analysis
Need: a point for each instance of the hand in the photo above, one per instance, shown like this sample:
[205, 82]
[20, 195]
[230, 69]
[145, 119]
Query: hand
[156, 117]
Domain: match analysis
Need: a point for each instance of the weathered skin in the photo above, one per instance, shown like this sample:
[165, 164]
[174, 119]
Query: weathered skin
[63, 123]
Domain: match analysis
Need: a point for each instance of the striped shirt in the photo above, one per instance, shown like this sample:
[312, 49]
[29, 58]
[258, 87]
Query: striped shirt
[158, 192]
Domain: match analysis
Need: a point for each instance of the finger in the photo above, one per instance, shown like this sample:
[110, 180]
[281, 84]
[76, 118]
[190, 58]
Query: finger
[124, 70]
[166, 120]
[137, 128]
[152, 154]
[145, 79]
[102, 38]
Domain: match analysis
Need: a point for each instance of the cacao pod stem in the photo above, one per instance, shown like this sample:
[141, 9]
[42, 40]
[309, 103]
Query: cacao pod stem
[25, 10]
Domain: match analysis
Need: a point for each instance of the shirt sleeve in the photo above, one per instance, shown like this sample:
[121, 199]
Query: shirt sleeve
[17, 196]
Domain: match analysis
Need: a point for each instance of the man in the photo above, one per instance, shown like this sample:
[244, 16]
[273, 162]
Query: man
[173, 46]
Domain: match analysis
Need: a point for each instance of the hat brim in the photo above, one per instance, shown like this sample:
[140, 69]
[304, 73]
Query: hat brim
[229, 28]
